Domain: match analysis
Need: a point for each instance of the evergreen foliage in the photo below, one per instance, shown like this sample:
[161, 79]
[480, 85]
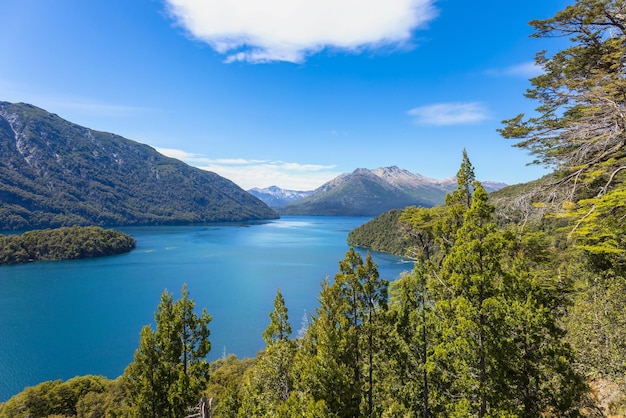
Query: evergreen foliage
[85, 396]
[380, 234]
[63, 244]
[269, 382]
[580, 126]
[170, 370]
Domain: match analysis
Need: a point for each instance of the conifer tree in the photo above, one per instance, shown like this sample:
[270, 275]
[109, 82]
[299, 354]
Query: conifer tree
[500, 350]
[411, 341]
[323, 363]
[469, 305]
[456, 204]
[170, 369]
[269, 383]
[339, 359]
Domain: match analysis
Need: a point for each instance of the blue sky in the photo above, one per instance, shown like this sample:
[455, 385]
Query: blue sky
[286, 92]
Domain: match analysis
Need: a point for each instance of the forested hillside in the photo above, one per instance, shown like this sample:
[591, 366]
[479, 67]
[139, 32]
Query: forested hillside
[55, 173]
[384, 233]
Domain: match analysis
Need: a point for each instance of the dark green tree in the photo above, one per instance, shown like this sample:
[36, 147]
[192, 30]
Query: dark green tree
[170, 369]
[373, 323]
[467, 291]
[457, 203]
[339, 360]
[410, 344]
[269, 383]
[500, 349]
[323, 363]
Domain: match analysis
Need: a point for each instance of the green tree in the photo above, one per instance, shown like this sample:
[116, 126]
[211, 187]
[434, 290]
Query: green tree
[322, 363]
[339, 360]
[579, 125]
[170, 369]
[500, 351]
[541, 365]
[579, 130]
[225, 385]
[465, 179]
[410, 343]
[457, 203]
[269, 383]
[468, 291]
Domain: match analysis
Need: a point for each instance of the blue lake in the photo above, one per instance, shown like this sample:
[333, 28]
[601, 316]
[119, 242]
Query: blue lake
[67, 318]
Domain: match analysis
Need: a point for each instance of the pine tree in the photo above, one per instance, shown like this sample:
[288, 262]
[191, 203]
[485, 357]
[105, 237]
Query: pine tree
[470, 308]
[500, 350]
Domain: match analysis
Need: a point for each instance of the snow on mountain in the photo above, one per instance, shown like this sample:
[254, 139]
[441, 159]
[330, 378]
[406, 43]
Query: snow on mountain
[363, 192]
[274, 196]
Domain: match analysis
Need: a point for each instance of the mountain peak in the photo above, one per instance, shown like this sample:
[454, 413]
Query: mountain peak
[367, 192]
[274, 196]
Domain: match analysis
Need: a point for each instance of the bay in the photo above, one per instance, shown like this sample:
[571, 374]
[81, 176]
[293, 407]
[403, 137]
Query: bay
[67, 318]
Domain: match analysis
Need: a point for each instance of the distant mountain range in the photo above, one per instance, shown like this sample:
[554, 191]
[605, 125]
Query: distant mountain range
[274, 196]
[56, 173]
[364, 192]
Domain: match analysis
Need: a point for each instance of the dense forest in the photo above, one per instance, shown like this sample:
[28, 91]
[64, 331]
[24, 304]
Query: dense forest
[514, 308]
[63, 244]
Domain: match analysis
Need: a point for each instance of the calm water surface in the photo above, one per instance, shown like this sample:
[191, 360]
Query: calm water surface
[67, 318]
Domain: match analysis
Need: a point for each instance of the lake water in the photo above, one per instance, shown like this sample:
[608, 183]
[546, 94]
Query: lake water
[67, 318]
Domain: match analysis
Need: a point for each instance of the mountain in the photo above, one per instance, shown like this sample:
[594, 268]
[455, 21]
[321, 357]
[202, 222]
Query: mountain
[56, 173]
[274, 196]
[367, 192]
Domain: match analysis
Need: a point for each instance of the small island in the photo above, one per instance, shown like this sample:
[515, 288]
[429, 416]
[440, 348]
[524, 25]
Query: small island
[65, 243]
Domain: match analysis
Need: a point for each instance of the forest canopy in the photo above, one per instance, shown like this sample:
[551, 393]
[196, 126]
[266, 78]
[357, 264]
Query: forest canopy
[65, 243]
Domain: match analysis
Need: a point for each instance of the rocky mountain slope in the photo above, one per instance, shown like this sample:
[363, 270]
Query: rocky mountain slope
[367, 192]
[56, 173]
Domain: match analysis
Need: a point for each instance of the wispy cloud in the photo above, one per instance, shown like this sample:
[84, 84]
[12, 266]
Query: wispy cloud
[441, 114]
[527, 69]
[59, 103]
[290, 30]
[259, 173]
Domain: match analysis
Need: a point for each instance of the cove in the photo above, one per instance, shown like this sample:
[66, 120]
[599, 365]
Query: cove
[67, 318]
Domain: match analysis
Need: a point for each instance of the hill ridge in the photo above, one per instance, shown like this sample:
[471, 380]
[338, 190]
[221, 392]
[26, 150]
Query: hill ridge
[57, 173]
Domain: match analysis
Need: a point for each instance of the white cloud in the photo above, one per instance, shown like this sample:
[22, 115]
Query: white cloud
[449, 114]
[290, 30]
[259, 173]
[527, 69]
